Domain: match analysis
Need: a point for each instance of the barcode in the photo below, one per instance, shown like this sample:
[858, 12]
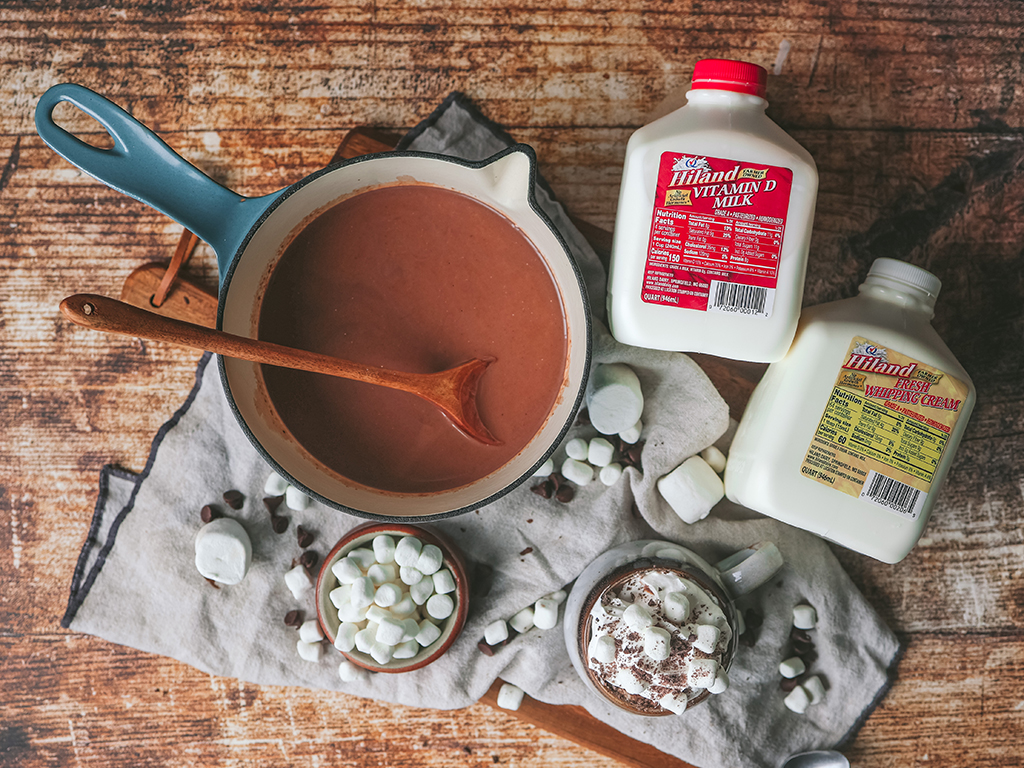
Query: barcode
[893, 494]
[736, 297]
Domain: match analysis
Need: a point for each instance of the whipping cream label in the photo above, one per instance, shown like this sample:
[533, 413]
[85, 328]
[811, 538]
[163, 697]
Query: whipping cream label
[884, 429]
[716, 234]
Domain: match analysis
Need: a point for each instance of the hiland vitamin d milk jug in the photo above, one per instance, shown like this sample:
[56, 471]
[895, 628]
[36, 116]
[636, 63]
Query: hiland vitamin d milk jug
[713, 224]
[851, 434]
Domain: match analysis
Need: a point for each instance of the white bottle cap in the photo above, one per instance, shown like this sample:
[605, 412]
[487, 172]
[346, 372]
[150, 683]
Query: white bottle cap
[907, 274]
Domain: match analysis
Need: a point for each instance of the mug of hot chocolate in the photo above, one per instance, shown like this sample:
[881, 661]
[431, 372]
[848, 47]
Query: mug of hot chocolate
[651, 627]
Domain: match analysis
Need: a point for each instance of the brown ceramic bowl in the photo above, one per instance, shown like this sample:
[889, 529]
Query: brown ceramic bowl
[362, 536]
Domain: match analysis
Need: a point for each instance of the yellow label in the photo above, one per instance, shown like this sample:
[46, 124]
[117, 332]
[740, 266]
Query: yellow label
[678, 197]
[884, 428]
[752, 173]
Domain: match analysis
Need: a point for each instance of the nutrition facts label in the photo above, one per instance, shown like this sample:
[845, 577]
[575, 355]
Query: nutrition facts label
[883, 434]
[716, 235]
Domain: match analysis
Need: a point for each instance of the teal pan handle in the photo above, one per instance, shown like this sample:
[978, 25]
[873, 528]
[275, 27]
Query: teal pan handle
[142, 166]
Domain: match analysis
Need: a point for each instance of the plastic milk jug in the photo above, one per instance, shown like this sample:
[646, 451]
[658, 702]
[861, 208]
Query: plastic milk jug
[852, 433]
[713, 224]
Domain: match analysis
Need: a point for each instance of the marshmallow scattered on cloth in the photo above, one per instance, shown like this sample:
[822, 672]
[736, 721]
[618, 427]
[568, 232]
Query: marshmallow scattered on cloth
[137, 567]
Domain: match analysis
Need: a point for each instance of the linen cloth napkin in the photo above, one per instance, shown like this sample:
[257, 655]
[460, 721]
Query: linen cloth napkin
[136, 584]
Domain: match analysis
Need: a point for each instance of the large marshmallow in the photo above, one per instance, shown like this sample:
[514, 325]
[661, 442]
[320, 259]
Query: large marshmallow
[546, 468]
[692, 489]
[275, 485]
[346, 638]
[657, 643]
[223, 551]
[296, 499]
[310, 631]
[496, 632]
[798, 700]
[632, 435]
[637, 616]
[387, 594]
[352, 612]
[701, 672]
[390, 631]
[363, 557]
[715, 458]
[815, 688]
[308, 651]
[600, 452]
[382, 573]
[421, 591]
[611, 473]
[429, 633]
[523, 620]
[430, 560]
[602, 648]
[406, 650]
[384, 549]
[576, 471]
[444, 582]
[614, 398]
[721, 684]
[298, 581]
[363, 591]
[440, 607]
[792, 667]
[576, 449]
[407, 551]
[346, 570]
[510, 696]
[545, 613]
[805, 617]
[676, 606]
[707, 638]
[350, 673]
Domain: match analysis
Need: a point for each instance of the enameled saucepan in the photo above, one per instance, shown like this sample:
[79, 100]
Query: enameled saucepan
[250, 234]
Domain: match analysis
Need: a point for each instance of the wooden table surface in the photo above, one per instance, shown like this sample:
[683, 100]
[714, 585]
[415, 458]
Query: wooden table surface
[912, 111]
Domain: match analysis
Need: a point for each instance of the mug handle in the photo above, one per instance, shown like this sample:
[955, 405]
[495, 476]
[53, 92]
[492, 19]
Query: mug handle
[142, 166]
[748, 569]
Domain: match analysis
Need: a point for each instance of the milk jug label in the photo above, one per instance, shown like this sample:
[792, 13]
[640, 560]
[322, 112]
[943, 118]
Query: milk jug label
[716, 234]
[884, 429]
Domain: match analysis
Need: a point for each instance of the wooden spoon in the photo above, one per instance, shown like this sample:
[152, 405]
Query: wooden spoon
[453, 391]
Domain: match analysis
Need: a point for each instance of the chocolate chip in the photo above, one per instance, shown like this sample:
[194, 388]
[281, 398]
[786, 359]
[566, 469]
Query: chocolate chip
[526, 551]
[809, 656]
[582, 418]
[789, 683]
[485, 649]
[272, 503]
[234, 499]
[800, 647]
[565, 494]
[208, 513]
[800, 635]
[293, 619]
[556, 480]
[309, 559]
[752, 618]
[279, 524]
[631, 457]
[544, 490]
[305, 538]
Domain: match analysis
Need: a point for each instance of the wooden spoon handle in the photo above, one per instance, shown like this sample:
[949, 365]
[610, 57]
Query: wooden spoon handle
[102, 313]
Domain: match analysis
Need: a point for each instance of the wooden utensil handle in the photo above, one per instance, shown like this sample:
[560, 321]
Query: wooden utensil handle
[102, 313]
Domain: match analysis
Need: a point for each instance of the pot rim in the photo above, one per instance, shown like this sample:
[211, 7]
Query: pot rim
[531, 198]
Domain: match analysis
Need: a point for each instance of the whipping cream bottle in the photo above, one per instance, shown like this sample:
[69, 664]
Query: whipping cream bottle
[713, 224]
[851, 434]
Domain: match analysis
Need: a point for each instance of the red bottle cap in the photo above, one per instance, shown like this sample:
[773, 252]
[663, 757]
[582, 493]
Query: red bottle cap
[729, 75]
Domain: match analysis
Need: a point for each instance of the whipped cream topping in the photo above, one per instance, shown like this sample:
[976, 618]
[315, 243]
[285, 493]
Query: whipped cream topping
[660, 636]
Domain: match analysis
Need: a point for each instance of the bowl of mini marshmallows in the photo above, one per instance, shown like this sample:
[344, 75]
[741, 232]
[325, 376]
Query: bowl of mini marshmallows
[392, 597]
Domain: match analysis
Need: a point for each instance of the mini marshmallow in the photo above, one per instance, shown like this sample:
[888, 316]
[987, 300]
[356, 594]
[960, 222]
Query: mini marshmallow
[692, 489]
[428, 634]
[610, 474]
[381, 652]
[600, 452]
[602, 648]
[546, 468]
[815, 688]
[340, 595]
[310, 631]
[298, 581]
[308, 651]
[707, 638]
[346, 638]
[362, 557]
[578, 472]
[510, 696]
[630, 683]
[223, 551]
[715, 458]
[797, 700]
[275, 485]
[296, 499]
[637, 616]
[676, 606]
[363, 590]
[346, 570]
[614, 398]
[545, 613]
[383, 549]
[522, 621]
[387, 595]
[675, 703]
[558, 596]
[406, 650]
[576, 449]
[430, 560]
[701, 672]
[377, 614]
[411, 627]
[792, 667]
[407, 552]
[721, 684]
[364, 639]
[444, 582]
[403, 607]
[805, 617]
[421, 591]
[410, 575]
[351, 612]
[632, 434]
[390, 631]
[440, 607]
[382, 573]
[350, 673]
[656, 643]
[496, 632]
